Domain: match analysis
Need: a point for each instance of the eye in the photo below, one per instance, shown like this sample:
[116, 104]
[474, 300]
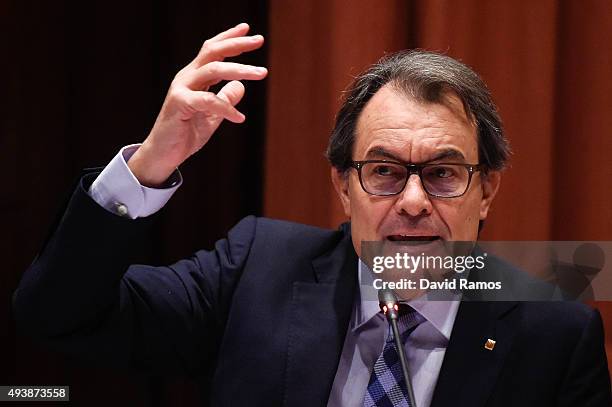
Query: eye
[383, 170]
[442, 171]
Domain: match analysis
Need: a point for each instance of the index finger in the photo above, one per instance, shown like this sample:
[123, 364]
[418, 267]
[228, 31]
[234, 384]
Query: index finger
[231, 47]
[237, 31]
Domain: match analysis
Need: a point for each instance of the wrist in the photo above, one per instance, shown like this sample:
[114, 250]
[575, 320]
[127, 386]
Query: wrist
[149, 170]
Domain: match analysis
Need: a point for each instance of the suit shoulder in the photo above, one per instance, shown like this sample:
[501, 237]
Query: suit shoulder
[562, 313]
[293, 237]
[564, 316]
[276, 235]
[289, 228]
[572, 310]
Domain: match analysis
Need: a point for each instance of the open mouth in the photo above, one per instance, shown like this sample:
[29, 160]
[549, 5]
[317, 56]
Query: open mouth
[415, 239]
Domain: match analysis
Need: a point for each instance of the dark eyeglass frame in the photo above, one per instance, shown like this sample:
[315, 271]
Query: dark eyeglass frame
[418, 170]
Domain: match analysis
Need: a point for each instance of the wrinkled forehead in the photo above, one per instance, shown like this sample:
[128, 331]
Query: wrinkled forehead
[415, 130]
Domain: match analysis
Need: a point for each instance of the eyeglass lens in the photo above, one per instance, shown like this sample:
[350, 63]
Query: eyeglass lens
[444, 180]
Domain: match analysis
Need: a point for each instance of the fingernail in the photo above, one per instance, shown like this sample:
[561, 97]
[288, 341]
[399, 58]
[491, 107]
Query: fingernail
[257, 37]
[261, 70]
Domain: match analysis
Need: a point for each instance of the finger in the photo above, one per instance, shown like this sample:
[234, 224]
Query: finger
[215, 72]
[236, 31]
[230, 47]
[232, 92]
[211, 104]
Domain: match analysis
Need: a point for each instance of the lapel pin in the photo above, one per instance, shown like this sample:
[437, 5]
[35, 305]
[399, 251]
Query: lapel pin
[489, 344]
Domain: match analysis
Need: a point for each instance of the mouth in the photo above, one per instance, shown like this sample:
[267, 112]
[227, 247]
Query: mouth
[417, 239]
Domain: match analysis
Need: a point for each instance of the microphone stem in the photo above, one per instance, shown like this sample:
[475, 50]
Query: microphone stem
[402, 357]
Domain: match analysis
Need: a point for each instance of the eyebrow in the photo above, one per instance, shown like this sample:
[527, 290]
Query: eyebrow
[444, 154]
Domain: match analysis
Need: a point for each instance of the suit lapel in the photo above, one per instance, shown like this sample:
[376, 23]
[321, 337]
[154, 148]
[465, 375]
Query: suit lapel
[469, 370]
[320, 313]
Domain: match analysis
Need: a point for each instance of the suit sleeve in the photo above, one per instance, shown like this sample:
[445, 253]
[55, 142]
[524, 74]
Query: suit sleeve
[87, 294]
[587, 383]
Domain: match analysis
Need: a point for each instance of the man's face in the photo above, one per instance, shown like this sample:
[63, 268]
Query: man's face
[395, 127]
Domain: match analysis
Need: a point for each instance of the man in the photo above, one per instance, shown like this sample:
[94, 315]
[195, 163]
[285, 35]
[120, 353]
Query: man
[276, 314]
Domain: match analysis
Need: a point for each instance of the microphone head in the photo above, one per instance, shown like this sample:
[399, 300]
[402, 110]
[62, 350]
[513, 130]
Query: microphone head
[387, 300]
[387, 295]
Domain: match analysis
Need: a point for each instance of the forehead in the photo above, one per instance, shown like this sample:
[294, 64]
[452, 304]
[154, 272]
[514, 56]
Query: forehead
[414, 131]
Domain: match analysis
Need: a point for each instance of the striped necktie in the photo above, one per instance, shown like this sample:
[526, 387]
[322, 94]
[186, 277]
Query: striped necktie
[387, 387]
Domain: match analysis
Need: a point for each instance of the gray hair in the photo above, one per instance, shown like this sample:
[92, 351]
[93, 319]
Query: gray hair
[426, 77]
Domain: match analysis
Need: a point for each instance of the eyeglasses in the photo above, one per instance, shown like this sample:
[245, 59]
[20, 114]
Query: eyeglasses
[444, 180]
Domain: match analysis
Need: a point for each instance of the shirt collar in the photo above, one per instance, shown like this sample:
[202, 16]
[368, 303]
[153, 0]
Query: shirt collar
[441, 314]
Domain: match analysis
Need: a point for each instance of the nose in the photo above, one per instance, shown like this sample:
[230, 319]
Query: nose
[413, 200]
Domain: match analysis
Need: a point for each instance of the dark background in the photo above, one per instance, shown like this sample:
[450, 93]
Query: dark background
[84, 79]
[79, 80]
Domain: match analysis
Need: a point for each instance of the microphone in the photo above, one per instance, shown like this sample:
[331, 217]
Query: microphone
[389, 305]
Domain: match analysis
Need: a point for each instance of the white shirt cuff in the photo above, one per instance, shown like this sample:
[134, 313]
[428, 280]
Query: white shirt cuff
[117, 190]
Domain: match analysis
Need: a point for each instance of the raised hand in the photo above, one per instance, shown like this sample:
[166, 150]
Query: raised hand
[190, 113]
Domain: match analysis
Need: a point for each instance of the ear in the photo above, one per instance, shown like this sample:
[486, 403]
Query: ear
[490, 185]
[341, 184]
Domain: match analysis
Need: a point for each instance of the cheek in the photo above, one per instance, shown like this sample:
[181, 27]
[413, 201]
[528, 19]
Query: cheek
[367, 213]
[461, 218]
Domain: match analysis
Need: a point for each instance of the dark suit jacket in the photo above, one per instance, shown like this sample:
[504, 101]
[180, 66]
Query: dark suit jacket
[261, 319]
